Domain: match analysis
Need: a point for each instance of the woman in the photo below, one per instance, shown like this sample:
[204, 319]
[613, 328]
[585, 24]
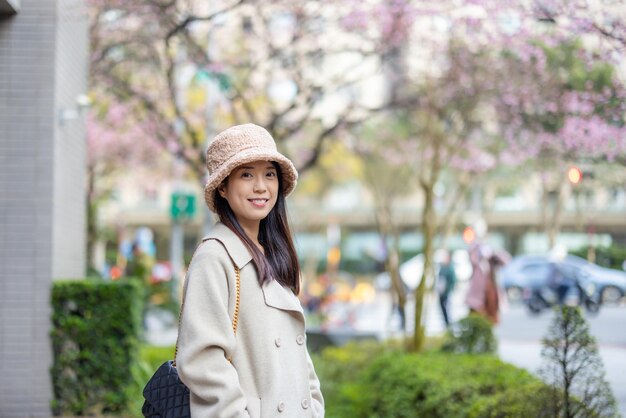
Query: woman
[264, 370]
[483, 296]
[480, 295]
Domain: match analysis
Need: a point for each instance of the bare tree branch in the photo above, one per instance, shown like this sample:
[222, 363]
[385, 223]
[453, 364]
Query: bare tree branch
[190, 19]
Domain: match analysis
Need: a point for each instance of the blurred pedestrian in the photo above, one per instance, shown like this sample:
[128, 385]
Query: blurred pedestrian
[482, 296]
[560, 282]
[139, 268]
[242, 345]
[446, 282]
[139, 265]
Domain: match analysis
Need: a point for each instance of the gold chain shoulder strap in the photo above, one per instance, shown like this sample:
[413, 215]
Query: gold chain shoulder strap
[235, 313]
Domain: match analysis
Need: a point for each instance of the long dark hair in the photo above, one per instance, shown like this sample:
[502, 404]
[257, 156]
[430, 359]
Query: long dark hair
[280, 260]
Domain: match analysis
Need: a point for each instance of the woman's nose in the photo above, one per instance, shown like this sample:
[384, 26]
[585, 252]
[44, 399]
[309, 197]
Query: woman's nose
[259, 185]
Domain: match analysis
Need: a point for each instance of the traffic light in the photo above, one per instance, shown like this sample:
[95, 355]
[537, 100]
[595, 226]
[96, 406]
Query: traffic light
[574, 175]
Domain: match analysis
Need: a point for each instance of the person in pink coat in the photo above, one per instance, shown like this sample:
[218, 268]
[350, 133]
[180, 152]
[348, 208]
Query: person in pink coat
[483, 296]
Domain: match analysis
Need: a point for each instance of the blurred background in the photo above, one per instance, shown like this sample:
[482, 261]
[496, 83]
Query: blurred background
[421, 130]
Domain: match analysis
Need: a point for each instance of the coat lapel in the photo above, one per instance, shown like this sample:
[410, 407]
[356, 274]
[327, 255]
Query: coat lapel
[235, 248]
[275, 295]
[278, 297]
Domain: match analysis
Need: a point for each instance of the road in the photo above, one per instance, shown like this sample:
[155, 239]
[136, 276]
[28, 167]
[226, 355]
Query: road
[608, 327]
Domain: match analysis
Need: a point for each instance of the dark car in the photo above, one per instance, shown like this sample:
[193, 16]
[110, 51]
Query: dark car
[533, 272]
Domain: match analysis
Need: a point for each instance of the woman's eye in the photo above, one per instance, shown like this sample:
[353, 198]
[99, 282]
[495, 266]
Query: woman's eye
[244, 174]
[271, 174]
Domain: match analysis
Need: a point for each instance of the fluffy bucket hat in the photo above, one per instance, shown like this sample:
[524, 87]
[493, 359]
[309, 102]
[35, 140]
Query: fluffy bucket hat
[242, 144]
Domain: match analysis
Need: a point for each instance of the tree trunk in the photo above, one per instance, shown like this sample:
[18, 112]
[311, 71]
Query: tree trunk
[392, 265]
[92, 218]
[551, 211]
[448, 223]
[386, 228]
[555, 224]
[429, 223]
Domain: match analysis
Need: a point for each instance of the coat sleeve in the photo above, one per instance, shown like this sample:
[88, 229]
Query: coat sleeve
[206, 337]
[317, 400]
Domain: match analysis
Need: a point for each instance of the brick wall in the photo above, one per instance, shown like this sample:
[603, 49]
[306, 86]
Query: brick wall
[41, 193]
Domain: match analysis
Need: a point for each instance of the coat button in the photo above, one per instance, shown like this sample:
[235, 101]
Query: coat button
[305, 403]
[281, 406]
[300, 339]
[278, 342]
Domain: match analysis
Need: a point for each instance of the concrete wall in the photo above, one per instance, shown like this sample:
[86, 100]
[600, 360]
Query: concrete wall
[41, 190]
[69, 214]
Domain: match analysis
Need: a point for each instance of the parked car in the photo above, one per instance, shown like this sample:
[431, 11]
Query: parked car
[574, 281]
[411, 270]
[532, 272]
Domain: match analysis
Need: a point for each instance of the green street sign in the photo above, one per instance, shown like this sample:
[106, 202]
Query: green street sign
[222, 79]
[183, 206]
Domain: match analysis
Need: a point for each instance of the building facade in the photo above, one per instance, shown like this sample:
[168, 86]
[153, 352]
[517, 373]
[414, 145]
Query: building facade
[43, 81]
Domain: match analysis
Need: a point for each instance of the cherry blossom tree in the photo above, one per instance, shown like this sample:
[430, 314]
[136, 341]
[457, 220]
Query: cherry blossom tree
[118, 148]
[605, 21]
[184, 70]
[474, 83]
[443, 108]
[388, 175]
[191, 69]
[491, 93]
[561, 106]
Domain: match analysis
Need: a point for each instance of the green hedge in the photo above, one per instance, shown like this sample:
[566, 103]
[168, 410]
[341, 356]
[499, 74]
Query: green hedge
[95, 339]
[373, 381]
[611, 257]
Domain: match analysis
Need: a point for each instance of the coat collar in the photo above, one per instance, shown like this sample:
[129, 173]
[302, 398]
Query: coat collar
[274, 294]
[280, 297]
[234, 246]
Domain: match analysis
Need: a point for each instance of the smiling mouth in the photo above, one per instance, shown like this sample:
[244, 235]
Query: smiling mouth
[258, 201]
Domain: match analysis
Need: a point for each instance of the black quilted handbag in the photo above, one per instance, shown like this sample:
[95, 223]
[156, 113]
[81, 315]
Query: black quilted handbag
[166, 396]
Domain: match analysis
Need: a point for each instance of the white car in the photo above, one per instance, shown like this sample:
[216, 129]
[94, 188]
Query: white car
[412, 269]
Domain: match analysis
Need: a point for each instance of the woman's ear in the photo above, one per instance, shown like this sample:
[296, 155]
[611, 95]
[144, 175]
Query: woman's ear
[221, 189]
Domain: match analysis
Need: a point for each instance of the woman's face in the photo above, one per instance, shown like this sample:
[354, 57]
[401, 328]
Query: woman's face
[251, 191]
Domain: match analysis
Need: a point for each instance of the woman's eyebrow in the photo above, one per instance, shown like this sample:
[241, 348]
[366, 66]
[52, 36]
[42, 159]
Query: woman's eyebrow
[245, 167]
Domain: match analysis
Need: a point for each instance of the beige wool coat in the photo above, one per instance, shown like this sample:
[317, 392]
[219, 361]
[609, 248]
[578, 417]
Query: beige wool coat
[271, 374]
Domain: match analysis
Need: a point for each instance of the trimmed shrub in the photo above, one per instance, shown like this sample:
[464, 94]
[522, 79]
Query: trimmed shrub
[529, 400]
[340, 369]
[376, 381]
[436, 384]
[95, 340]
[472, 334]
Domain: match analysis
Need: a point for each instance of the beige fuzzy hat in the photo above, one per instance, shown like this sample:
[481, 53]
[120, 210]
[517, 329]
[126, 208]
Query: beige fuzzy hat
[239, 145]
